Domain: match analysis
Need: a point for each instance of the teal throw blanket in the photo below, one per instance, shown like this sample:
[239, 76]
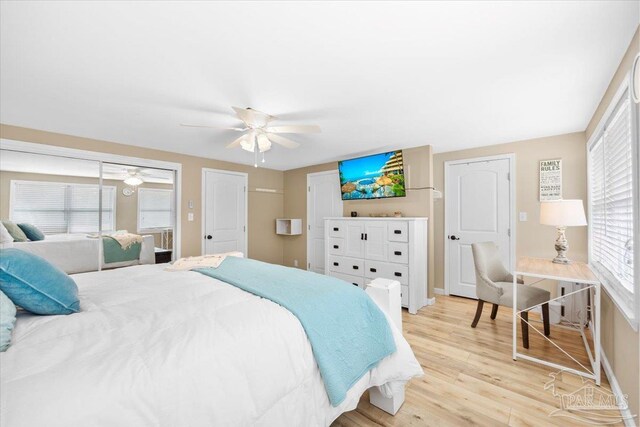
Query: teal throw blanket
[349, 334]
[113, 252]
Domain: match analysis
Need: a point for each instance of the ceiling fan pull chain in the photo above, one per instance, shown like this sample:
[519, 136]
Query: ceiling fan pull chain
[255, 152]
[263, 157]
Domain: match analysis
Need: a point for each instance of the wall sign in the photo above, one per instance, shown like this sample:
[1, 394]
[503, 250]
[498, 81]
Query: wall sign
[550, 179]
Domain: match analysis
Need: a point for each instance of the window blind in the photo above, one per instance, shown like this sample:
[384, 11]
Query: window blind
[60, 208]
[155, 209]
[611, 201]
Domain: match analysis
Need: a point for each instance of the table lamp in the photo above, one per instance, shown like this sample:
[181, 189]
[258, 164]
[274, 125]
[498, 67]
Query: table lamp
[562, 214]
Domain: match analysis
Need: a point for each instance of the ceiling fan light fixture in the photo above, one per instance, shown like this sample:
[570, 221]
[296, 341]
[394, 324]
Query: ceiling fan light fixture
[133, 180]
[263, 143]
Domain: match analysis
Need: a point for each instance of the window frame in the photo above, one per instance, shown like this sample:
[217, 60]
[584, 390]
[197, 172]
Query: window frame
[12, 195]
[173, 208]
[627, 302]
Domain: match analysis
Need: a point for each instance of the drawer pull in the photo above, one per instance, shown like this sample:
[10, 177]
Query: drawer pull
[398, 253]
[397, 274]
[336, 264]
[373, 270]
[336, 229]
[397, 232]
[335, 246]
[355, 267]
[354, 284]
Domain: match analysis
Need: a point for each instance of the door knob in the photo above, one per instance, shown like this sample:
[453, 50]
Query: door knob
[208, 237]
[453, 237]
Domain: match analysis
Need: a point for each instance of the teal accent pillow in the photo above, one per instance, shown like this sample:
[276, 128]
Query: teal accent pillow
[15, 231]
[36, 285]
[32, 232]
[7, 320]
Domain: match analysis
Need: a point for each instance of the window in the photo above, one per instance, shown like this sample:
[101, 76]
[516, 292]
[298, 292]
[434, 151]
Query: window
[61, 208]
[155, 209]
[613, 201]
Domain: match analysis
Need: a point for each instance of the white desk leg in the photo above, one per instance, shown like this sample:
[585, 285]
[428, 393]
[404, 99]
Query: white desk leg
[515, 310]
[596, 338]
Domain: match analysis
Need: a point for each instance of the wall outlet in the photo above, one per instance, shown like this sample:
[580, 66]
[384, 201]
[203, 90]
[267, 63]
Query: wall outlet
[190, 216]
[523, 216]
[190, 204]
[295, 262]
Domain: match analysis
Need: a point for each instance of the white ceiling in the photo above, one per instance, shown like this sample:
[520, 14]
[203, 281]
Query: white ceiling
[374, 75]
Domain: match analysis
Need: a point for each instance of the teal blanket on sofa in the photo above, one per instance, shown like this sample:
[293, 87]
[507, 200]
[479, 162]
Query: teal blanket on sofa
[349, 334]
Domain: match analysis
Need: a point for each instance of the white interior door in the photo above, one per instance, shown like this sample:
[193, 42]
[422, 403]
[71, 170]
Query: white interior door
[478, 209]
[225, 212]
[324, 200]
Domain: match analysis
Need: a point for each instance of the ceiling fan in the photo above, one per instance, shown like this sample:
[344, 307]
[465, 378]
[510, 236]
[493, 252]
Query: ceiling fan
[260, 133]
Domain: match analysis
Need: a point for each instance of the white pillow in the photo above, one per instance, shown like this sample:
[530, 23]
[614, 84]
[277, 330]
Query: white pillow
[6, 239]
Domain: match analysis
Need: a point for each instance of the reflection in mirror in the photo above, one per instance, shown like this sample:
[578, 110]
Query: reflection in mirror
[51, 206]
[144, 208]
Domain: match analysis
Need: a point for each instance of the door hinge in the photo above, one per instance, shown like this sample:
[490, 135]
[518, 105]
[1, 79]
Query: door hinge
[309, 189]
[244, 228]
[509, 232]
[309, 227]
[309, 266]
[508, 176]
[245, 188]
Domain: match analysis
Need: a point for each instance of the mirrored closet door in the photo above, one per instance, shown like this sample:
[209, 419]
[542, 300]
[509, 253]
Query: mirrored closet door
[144, 206]
[87, 215]
[51, 207]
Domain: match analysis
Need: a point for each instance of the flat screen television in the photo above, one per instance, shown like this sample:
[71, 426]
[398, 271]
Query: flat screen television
[372, 177]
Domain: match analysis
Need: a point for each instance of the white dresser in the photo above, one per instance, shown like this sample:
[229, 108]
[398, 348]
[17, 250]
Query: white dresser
[358, 250]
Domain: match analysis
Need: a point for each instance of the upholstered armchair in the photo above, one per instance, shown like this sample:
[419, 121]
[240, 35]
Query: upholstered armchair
[494, 284]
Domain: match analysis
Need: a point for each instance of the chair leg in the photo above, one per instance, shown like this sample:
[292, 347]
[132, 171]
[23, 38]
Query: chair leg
[545, 319]
[525, 328]
[478, 313]
[494, 311]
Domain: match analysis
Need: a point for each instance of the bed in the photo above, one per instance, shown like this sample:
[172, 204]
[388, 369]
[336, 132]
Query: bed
[160, 348]
[77, 253]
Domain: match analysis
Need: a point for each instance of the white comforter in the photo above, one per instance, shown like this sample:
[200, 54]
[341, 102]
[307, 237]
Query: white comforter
[154, 348]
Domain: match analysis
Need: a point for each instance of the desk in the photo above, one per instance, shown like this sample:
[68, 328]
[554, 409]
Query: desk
[576, 272]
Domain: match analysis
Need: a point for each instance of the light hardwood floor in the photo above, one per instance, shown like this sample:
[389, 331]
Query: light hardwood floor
[470, 377]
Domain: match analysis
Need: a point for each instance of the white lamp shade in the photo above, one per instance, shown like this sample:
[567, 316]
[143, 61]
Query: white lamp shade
[562, 213]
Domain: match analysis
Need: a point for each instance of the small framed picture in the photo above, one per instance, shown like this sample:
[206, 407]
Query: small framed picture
[550, 179]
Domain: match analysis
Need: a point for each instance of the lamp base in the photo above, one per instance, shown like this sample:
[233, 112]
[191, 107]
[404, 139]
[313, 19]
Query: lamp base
[561, 260]
[561, 246]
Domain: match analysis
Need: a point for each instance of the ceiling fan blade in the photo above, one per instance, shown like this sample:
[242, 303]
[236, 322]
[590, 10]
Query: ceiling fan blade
[237, 142]
[213, 127]
[294, 129]
[252, 117]
[285, 142]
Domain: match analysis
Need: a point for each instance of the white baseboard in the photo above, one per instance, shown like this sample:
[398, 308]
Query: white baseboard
[627, 416]
[439, 291]
[430, 301]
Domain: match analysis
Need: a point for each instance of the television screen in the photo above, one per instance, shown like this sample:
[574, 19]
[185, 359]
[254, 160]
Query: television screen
[372, 177]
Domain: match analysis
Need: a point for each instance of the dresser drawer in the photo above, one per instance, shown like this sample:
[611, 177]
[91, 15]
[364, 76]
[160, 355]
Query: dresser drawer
[398, 272]
[336, 246]
[336, 228]
[352, 266]
[404, 295]
[387, 270]
[373, 269]
[397, 231]
[398, 252]
[354, 280]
